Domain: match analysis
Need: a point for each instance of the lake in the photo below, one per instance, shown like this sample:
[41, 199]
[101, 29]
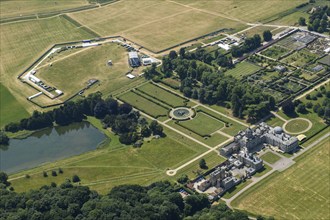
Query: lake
[49, 145]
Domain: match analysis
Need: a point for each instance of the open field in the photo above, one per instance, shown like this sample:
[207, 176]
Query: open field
[202, 124]
[245, 10]
[71, 74]
[270, 157]
[144, 105]
[300, 192]
[10, 109]
[158, 19]
[116, 164]
[21, 43]
[256, 30]
[242, 69]
[161, 94]
[14, 8]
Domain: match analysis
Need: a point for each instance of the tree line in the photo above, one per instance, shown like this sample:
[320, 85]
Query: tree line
[318, 20]
[159, 200]
[210, 85]
[119, 117]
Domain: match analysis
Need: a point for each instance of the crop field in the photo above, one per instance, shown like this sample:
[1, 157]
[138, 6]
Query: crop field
[144, 105]
[242, 69]
[300, 192]
[209, 124]
[21, 44]
[158, 19]
[164, 96]
[71, 74]
[116, 164]
[270, 157]
[245, 10]
[275, 52]
[300, 58]
[20, 8]
[11, 110]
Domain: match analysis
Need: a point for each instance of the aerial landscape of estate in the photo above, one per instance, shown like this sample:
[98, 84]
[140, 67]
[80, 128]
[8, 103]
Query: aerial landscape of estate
[165, 109]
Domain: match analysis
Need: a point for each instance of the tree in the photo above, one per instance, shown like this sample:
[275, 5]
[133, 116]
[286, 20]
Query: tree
[44, 173]
[183, 179]
[100, 109]
[54, 173]
[202, 164]
[75, 178]
[173, 55]
[288, 107]
[4, 140]
[301, 108]
[267, 35]
[302, 21]
[145, 131]
[125, 108]
[182, 52]
[156, 128]
[4, 179]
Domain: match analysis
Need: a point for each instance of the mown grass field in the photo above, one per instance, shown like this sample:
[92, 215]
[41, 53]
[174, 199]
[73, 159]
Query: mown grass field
[143, 104]
[296, 125]
[242, 69]
[212, 141]
[203, 124]
[16, 8]
[168, 23]
[21, 43]
[71, 74]
[10, 109]
[270, 157]
[300, 192]
[163, 95]
[248, 11]
[115, 164]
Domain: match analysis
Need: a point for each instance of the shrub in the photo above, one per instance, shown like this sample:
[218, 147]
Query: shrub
[54, 173]
[75, 178]
[45, 174]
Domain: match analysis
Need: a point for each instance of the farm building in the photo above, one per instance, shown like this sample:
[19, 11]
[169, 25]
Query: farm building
[133, 59]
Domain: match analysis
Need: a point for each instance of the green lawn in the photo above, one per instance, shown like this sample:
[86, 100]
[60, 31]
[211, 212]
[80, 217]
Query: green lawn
[231, 192]
[116, 164]
[242, 69]
[270, 157]
[296, 126]
[212, 141]
[144, 105]
[71, 74]
[193, 170]
[18, 51]
[300, 192]
[10, 109]
[202, 124]
[164, 96]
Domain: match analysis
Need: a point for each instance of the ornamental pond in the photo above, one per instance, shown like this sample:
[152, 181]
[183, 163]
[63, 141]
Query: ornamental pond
[49, 145]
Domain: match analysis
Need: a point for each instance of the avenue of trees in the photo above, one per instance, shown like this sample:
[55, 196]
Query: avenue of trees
[160, 200]
[119, 117]
[202, 80]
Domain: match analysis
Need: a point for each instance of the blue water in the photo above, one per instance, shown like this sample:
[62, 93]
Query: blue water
[49, 145]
